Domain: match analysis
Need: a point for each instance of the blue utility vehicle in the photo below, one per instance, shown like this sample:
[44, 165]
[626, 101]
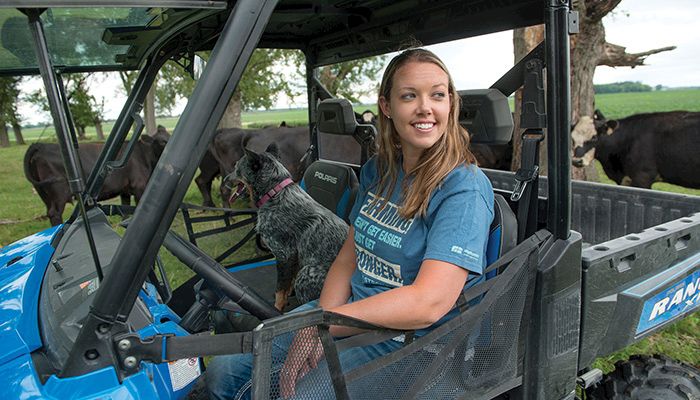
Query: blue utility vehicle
[577, 270]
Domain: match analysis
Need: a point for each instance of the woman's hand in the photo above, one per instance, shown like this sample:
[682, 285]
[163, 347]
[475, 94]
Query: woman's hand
[303, 356]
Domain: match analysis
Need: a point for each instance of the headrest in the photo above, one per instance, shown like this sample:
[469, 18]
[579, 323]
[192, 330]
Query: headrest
[336, 116]
[486, 115]
[332, 185]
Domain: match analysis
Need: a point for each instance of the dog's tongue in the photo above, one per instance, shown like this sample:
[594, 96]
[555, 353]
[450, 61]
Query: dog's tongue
[240, 188]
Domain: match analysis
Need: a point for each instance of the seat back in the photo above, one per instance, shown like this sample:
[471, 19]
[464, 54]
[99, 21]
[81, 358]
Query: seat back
[332, 185]
[503, 234]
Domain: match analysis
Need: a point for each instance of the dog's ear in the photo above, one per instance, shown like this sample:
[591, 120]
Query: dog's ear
[253, 157]
[274, 150]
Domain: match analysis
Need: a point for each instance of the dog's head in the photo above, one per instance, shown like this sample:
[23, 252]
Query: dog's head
[258, 172]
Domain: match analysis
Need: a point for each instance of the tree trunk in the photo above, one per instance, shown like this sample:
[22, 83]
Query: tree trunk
[4, 138]
[232, 115]
[586, 49]
[524, 40]
[18, 133]
[81, 132]
[98, 130]
[149, 110]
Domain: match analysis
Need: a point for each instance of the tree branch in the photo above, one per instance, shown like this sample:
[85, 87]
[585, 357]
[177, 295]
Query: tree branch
[597, 9]
[615, 56]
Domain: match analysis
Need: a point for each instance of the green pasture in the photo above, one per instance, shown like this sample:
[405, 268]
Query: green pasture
[250, 119]
[22, 212]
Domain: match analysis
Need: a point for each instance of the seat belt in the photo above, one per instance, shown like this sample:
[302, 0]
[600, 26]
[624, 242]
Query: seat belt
[526, 188]
[533, 120]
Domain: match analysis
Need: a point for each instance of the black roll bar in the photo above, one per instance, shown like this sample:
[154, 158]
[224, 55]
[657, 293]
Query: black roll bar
[61, 122]
[316, 92]
[137, 250]
[558, 117]
[67, 142]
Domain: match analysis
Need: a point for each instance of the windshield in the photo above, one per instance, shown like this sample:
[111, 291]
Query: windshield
[85, 39]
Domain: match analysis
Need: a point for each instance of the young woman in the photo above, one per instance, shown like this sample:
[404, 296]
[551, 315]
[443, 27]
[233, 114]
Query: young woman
[418, 236]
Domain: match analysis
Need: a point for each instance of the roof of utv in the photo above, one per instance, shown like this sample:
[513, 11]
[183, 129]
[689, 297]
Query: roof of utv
[120, 34]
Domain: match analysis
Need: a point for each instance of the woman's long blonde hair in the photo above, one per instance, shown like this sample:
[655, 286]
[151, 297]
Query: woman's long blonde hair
[451, 150]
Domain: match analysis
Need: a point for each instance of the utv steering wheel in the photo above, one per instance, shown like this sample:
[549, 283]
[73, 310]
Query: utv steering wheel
[218, 277]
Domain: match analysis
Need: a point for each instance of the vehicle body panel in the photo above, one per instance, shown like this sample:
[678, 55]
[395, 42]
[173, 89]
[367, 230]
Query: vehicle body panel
[20, 282]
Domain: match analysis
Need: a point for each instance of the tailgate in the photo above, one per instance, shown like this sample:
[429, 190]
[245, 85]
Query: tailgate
[634, 285]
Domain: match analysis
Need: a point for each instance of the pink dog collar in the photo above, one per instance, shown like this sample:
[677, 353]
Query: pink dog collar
[269, 195]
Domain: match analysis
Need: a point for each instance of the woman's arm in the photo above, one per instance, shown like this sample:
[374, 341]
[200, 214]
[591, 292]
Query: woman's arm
[415, 306]
[336, 288]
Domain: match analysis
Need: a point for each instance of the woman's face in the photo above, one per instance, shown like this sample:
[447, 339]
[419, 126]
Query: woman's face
[419, 106]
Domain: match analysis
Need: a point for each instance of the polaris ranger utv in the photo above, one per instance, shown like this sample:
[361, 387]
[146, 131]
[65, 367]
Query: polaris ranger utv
[84, 311]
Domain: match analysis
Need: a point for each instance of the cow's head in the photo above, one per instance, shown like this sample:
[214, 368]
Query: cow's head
[160, 139]
[585, 136]
[367, 117]
[153, 147]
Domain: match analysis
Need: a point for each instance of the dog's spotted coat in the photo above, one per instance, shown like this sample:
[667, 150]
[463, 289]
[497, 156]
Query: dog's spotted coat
[304, 236]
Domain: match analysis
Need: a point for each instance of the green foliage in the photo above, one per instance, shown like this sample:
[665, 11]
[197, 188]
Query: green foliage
[622, 87]
[173, 82]
[84, 108]
[9, 93]
[350, 80]
[261, 82]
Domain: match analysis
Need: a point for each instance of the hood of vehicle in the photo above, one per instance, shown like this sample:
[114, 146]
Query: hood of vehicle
[22, 267]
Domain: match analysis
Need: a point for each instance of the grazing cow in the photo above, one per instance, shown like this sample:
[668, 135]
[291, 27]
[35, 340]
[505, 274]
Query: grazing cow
[642, 149]
[43, 167]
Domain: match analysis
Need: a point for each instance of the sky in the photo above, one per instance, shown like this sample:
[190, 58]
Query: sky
[639, 25]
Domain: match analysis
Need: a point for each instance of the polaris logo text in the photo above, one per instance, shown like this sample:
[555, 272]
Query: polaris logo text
[324, 177]
[687, 294]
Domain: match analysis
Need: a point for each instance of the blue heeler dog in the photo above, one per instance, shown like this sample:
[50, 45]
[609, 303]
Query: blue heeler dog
[304, 236]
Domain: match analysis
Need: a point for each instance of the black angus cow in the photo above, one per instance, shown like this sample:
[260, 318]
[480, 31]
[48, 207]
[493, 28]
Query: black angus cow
[208, 171]
[43, 167]
[641, 149]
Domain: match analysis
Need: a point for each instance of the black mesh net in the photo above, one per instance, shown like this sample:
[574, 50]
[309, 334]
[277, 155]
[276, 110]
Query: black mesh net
[475, 354]
[475, 357]
[302, 372]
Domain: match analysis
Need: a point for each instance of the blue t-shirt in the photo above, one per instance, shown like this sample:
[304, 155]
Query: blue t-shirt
[390, 249]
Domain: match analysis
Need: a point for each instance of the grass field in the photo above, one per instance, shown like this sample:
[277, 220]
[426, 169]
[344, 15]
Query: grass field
[250, 119]
[21, 211]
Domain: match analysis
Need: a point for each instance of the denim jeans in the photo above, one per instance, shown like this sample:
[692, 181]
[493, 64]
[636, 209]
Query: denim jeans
[229, 377]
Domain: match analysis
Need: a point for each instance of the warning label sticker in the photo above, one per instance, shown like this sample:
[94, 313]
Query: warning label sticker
[183, 372]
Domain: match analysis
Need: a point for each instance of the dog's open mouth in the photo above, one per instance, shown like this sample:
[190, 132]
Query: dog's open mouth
[238, 187]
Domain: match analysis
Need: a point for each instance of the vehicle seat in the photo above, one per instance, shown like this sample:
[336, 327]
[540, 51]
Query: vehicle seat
[333, 185]
[503, 234]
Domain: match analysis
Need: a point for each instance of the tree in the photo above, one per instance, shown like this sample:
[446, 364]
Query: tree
[351, 79]
[588, 50]
[259, 86]
[83, 106]
[9, 93]
[347, 79]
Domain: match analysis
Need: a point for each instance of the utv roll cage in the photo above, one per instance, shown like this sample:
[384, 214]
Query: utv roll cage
[327, 32]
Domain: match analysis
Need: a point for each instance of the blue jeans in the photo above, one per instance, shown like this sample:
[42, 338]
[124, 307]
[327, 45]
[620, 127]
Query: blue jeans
[229, 377]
